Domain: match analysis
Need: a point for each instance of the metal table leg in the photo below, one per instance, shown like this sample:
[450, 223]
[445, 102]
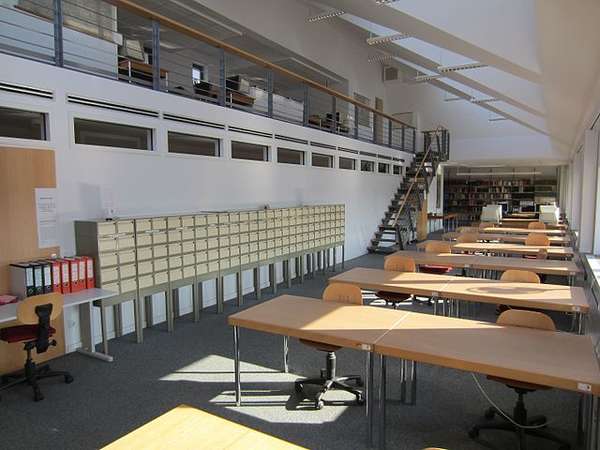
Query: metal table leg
[273, 277]
[370, 400]
[257, 287]
[285, 355]
[197, 298]
[240, 291]
[220, 294]
[236, 359]
[382, 399]
[87, 333]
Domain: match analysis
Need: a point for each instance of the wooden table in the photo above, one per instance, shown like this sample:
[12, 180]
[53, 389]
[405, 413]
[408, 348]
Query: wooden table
[469, 261]
[186, 427]
[507, 249]
[509, 230]
[552, 297]
[559, 360]
[508, 238]
[524, 223]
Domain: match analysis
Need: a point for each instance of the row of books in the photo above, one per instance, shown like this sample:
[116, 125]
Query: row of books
[64, 275]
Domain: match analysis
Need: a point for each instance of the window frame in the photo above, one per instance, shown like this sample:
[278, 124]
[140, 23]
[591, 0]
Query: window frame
[152, 150]
[370, 162]
[340, 158]
[218, 140]
[267, 151]
[301, 152]
[45, 126]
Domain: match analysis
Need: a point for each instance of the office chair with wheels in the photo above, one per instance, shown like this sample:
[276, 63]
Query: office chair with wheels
[436, 247]
[526, 319]
[537, 240]
[536, 226]
[340, 293]
[467, 238]
[397, 263]
[35, 314]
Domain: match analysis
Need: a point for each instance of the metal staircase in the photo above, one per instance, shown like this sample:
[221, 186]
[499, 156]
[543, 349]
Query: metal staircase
[398, 226]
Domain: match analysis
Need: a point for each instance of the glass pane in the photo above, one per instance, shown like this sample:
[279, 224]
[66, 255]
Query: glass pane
[347, 163]
[253, 152]
[367, 166]
[320, 160]
[289, 156]
[190, 144]
[93, 132]
[17, 123]
[383, 168]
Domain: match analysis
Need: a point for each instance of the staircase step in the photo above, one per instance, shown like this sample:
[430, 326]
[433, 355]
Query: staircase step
[383, 250]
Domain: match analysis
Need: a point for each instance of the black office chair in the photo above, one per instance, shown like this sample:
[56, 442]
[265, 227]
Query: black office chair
[341, 293]
[528, 319]
[35, 314]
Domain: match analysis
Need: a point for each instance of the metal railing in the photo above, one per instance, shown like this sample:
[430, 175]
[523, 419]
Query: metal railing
[123, 40]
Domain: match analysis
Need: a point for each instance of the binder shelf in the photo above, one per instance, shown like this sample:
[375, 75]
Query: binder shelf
[137, 257]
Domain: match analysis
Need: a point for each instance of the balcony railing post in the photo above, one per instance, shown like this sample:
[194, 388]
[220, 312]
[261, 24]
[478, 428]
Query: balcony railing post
[306, 104]
[414, 142]
[355, 121]
[58, 33]
[270, 93]
[374, 127]
[333, 125]
[222, 80]
[156, 55]
[403, 143]
[390, 124]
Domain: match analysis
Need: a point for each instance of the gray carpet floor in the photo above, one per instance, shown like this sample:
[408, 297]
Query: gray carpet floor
[193, 365]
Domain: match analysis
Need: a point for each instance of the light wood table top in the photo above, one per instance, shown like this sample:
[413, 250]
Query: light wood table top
[509, 230]
[403, 282]
[508, 238]
[551, 297]
[505, 248]
[555, 359]
[461, 260]
[185, 427]
[307, 318]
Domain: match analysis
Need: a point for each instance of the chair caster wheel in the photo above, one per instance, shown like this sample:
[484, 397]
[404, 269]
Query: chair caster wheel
[473, 433]
[298, 387]
[68, 379]
[319, 404]
[489, 414]
[38, 396]
[360, 400]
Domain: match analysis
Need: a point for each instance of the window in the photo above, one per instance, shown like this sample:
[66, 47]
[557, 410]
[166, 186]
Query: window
[397, 169]
[252, 152]
[383, 168]
[190, 144]
[93, 132]
[198, 73]
[347, 163]
[289, 156]
[364, 115]
[321, 160]
[17, 123]
[367, 166]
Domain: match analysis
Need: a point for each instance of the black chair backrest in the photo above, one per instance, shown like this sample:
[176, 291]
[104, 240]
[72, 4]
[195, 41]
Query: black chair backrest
[43, 332]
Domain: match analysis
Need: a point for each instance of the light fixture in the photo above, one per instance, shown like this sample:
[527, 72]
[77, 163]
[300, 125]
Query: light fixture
[453, 99]
[385, 2]
[426, 78]
[325, 16]
[497, 119]
[380, 58]
[468, 66]
[483, 100]
[486, 174]
[385, 39]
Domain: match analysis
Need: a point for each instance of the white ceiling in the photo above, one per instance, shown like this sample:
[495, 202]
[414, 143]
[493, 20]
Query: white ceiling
[543, 56]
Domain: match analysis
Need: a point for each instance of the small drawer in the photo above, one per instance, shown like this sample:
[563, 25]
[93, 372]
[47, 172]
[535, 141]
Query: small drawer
[263, 245]
[285, 222]
[253, 226]
[244, 217]
[234, 228]
[127, 256]
[201, 232]
[285, 231]
[278, 223]
[271, 253]
[292, 249]
[244, 237]
[223, 218]
[187, 234]
[212, 219]
[270, 234]
[127, 271]
[175, 261]
[174, 236]
[175, 249]
[224, 241]
[161, 265]
[234, 240]
[213, 243]
[278, 242]
[173, 222]
[244, 227]
[262, 224]
[223, 230]
[142, 225]
[106, 228]
[175, 275]
[244, 248]
[201, 244]
[213, 255]
[159, 251]
[262, 235]
[189, 259]
[234, 251]
[200, 220]
[244, 259]
[285, 212]
[107, 275]
[159, 223]
[278, 251]
[189, 272]
[107, 244]
[270, 214]
[125, 226]
[278, 232]
[114, 287]
[224, 252]
[224, 264]
[253, 247]
[187, 221]
[261, 215]
[213, 266]
[145, 281]
[234, 217]
[187, 246]
[145, 267]
[201, 269]
[212, 231]
[271, 243]
[159, 238]
[143, 239]
[161, 277]
[271, 223]
[201, 257]
[254, 257]
[263, 255]
[108, 259]
[234, 261]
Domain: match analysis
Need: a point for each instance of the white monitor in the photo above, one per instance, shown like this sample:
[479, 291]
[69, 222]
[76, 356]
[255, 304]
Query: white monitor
[491, 213]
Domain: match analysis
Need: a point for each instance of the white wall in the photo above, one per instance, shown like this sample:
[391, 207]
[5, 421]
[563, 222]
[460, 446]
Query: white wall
[141, 183]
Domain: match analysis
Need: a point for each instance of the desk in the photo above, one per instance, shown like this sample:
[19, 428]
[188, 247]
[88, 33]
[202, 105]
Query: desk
[507, 249]
[186, 427]
[559, 360]
[509, 230]
[551, 297]
[83, 300]
[508, 238]
[500, 263]
[524, 223]
[141, 70]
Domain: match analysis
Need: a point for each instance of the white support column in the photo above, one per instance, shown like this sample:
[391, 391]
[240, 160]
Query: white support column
[589, 177]
[576, 176]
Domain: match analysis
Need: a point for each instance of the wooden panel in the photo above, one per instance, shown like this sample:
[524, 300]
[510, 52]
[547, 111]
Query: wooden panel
[21, 171]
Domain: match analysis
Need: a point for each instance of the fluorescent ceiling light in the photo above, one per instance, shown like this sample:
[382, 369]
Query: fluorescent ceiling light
[486, 174]
[380, 58]
[385, 39]
[484, 100]
[497, 119]
[425, 78]
[468, 66]
[453, 99]
[325, 16]
[385, 2]
[209, 18]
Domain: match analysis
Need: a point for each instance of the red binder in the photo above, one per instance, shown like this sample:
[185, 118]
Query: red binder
[65, 276]
[56, 279]
[90, 281]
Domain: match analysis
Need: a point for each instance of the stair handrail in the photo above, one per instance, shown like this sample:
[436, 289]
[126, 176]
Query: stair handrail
[398, 214]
